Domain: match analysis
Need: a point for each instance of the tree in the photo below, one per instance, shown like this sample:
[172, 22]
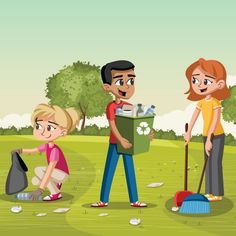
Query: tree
[79, 86]
[229, 105]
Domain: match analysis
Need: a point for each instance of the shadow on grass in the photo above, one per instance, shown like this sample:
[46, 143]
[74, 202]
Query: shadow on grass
[12, 198]
[217, 208]
[120, 206]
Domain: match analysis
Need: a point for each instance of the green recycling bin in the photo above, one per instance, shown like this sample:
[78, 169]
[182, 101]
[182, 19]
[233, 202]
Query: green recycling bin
[136, 130]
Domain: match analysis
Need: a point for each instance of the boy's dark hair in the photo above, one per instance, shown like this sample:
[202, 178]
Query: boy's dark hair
[115, 65]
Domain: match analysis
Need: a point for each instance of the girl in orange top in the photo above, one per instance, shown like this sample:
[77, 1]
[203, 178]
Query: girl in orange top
[207, 80]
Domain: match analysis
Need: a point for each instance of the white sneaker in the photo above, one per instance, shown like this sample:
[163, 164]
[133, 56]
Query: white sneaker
[138, 204]
[99, 204]
[53, 197]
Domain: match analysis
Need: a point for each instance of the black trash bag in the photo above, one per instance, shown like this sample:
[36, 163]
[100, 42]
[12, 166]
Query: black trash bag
[17, 179]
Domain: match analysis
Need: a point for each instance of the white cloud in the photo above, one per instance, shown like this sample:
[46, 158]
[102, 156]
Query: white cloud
[15, 120]
[231, 80]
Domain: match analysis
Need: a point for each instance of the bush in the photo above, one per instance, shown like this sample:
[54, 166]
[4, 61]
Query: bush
[94, 130]
[104, 131]
[197, 138]
[10, 131]
[1, 131]
[230, 140]
[90, 130]
[75, 132]
[26, 131]
[169, 135]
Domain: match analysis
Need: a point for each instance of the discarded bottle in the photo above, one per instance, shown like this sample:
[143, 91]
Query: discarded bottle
[23, 196]
[118, 110]
[139, 110]
[150, 111]
[26, 197]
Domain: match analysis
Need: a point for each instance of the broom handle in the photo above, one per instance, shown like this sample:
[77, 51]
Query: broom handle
[186, 163]
[204, 169]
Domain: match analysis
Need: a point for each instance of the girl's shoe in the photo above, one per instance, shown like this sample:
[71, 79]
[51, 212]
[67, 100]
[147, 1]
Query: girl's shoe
[53, 197]
[208, 195]
[215, 198]
[138, 204]
[99, 204]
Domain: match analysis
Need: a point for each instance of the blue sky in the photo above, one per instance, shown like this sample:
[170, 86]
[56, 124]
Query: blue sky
[161, 37]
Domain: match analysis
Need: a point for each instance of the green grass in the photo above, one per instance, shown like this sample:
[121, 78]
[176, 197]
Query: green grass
[86, 159]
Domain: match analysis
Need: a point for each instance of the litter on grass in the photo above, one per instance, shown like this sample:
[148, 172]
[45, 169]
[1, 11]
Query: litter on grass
[61, 210]
[16, 209]
[135, 221]
[155, 185]
[103, 214]
[174, 208]
[41, 214]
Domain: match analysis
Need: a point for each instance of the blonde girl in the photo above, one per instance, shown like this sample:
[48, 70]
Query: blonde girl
[207, 81]
[50, 123]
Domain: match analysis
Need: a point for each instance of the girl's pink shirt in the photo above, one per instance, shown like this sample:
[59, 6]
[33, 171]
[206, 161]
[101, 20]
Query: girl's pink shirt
[54, 153]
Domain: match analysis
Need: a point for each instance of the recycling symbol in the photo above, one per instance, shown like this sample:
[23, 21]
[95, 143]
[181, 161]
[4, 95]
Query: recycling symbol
[143, 129]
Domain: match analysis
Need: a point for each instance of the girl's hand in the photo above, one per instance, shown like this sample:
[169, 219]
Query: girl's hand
[208, 147]
[187, 137]
[35, 195]
[19, 151]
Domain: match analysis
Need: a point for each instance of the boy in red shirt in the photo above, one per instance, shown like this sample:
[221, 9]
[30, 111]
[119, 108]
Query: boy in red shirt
[118, 78]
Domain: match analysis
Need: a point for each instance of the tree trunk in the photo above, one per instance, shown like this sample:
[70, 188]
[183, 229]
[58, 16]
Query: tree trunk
[83, 122]
[83, 111]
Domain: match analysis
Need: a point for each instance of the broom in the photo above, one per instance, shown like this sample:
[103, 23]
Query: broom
[197, 203]
[181, 195]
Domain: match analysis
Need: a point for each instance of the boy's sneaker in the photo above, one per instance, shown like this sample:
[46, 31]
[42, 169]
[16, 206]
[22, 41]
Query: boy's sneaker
[138, 204]
[59, 185]
[53, 197]
[99, 204]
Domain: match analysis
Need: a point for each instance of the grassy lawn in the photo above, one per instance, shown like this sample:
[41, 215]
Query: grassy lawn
[86, 159]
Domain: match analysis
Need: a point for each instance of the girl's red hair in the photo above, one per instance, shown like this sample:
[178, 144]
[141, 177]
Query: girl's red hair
[212, 67]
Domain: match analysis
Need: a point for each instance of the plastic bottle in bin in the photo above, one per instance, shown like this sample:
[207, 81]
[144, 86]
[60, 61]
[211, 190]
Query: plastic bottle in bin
[139, 110]
[119, 110]
[150, 111]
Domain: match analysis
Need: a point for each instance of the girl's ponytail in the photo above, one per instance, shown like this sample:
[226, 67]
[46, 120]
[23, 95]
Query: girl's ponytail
[73, 117]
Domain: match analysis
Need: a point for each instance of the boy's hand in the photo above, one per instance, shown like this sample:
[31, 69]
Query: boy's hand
[36, 194]
[125, 143]
[151, 135]
[19, 151]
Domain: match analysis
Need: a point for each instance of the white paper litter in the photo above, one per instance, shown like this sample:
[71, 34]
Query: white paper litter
[135, 221]
[103, 214]
[155, 185]
[41, 214]
[16, 209]
[175, 208]
[61, 210]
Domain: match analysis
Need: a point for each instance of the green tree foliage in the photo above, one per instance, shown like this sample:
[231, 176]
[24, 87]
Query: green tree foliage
[79, 86]
[229, 106]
